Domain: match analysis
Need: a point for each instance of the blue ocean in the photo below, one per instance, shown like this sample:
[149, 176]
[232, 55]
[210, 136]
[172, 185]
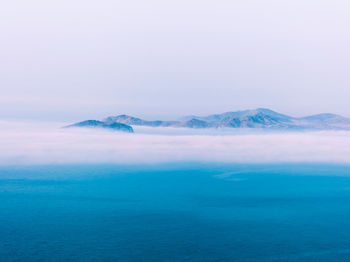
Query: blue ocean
[175, 212]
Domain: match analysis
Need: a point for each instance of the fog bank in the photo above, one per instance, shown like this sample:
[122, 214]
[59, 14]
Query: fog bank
[49, 144]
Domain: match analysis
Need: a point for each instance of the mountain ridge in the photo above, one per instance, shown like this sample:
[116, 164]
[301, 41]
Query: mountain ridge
[252, 118]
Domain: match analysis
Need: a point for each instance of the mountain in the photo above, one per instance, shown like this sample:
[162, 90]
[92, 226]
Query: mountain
[129, 120]
[195, 123]
[256, 118]
[327, 121]
[245, 116]
[266, 118]
[107, 125]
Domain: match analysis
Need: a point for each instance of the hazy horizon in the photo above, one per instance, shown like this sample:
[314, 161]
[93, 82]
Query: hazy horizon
[42, 144]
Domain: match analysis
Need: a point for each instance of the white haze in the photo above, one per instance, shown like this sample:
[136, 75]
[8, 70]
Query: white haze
[49, 144]
[80, 59]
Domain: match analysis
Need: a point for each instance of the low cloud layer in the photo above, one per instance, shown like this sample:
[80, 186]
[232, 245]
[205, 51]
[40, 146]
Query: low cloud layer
[43, 144]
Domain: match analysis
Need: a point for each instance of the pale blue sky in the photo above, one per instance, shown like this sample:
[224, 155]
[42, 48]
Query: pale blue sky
[75, 59]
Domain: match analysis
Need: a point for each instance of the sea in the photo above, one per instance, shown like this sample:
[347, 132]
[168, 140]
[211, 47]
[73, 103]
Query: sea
[175, 212]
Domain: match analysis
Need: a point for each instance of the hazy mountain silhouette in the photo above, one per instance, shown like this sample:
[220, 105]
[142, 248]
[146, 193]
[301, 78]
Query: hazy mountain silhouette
[256, 118]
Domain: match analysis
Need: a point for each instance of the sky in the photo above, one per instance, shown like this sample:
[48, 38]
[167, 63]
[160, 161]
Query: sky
[81, 59]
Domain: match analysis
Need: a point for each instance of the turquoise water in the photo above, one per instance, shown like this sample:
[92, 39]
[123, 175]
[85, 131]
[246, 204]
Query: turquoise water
[177, 212]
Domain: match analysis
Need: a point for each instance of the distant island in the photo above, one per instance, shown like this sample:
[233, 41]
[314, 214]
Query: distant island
[106, 125]
[257, 118]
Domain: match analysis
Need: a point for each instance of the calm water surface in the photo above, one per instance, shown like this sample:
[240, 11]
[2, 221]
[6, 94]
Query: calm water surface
[177, 212]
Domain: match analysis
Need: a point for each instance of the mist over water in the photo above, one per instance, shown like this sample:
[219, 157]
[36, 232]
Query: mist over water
[61, 201]
[42, 143]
